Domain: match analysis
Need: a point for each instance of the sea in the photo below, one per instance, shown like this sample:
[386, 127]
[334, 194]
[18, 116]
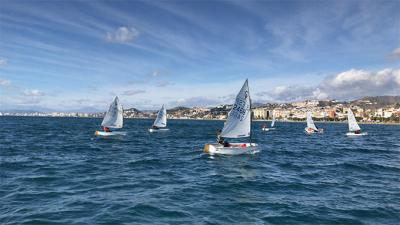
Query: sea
[55, 171]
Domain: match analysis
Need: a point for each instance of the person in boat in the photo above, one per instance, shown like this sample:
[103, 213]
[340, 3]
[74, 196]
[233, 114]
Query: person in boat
[106, 129]
[357, 132]
[310, 130]
[155, 127]
[264, 126]
[221, 140]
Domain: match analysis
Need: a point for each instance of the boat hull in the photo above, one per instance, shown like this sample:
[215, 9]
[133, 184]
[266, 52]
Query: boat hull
[151, 130]
[265, 129]
[354, 134]
[233, 149]
[109, 134]
[310, 131]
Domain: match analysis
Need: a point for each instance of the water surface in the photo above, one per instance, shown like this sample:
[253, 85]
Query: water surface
[54, 171]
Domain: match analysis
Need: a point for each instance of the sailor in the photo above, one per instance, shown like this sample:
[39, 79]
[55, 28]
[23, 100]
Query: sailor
[220, 139]
[357, 132]
[155, 127]
[106, 129]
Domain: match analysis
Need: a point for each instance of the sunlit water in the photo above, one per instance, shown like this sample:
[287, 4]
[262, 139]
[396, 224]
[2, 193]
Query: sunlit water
[54, 171]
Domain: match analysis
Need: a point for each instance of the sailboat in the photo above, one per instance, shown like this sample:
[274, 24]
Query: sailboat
[354, 128]
[160, 123]
[237, 125]
[265, 128]
[273, 120]
[113, 119]
[311, 128]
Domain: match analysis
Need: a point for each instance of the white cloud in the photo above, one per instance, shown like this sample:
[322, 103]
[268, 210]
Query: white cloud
[358, 83]
[288, 93]
[3, 61]
[195, 101]
[155, 73]
[33, 92]
[164, 84]
[133, 92]
[122, 35]
[395, 54]
[4, 82]
[347, 85]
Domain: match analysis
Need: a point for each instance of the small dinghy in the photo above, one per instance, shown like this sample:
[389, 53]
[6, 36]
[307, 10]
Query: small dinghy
[311, 128]
[354, 128]
[160, 123]
[112, 120]
[273, 121]
[266, 128]
[237, 125]
[112, 133]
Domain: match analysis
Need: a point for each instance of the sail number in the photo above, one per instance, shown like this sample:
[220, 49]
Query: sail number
[240, 108]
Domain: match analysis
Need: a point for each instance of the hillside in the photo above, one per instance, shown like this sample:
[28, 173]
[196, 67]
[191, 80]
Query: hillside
[377, 101]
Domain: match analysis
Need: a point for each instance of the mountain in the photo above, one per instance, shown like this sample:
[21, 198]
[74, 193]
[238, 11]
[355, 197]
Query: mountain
[178, 108]
[377, 101]
[36, 109]
[132, 110]
[85, 110]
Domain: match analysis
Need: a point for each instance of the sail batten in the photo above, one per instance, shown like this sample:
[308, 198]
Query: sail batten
[238, 123]
[353, 125]
[161, 120]
[113, 117]
[310, 122]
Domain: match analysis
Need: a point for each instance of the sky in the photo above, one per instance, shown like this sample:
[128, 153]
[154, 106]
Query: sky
[78, 55]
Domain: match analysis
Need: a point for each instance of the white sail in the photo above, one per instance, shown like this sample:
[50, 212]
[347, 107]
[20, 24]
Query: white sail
[273, 119]
[310, 122]
[238, 122]
[353, 126]
[161, 120]
[113, 117]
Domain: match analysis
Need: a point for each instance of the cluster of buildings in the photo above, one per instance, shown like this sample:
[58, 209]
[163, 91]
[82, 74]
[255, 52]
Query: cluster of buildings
[49, 114]
[328, 111]
[321, 110]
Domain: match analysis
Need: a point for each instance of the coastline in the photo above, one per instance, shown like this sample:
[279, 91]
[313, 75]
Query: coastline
[254, 120]
[339, 122]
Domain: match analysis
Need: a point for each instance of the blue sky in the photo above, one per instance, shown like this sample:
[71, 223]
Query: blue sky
[69, 55]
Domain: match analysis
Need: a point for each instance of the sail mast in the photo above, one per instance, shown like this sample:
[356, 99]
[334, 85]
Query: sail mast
[251, 116]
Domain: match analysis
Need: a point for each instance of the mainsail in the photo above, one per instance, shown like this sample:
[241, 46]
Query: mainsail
[353, 126]
[113, 117]
[310, 122]
[161, 120]
[238, 122]
[273, 119]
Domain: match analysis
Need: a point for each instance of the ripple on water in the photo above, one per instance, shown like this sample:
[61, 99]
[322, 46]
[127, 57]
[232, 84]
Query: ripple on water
[59, 173]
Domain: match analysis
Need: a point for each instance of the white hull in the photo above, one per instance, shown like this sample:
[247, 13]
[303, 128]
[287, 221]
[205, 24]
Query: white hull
[266, 129]
[107, 134]
[151, 130]
[234, 149]
[310, 131]
[354, 134]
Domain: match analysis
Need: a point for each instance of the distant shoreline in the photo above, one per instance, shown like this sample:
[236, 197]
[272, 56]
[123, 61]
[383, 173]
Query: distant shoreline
[344, 121]
[255, 120]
